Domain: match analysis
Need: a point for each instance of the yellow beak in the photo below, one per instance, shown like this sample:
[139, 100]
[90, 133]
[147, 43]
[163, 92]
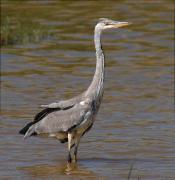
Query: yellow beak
[119, 24]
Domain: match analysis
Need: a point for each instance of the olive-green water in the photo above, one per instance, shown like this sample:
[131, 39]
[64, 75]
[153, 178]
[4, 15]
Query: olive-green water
[135, 125]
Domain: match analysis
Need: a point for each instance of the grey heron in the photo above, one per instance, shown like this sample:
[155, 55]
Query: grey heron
[68, 120]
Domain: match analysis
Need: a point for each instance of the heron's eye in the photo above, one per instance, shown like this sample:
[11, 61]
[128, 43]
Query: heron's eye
[107, 23]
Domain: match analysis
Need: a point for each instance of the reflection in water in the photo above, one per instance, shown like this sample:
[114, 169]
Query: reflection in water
[74, 170]
[61, 170]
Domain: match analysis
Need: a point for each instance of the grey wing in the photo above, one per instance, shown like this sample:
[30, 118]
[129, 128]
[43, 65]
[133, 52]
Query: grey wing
[64, 120]
[64, 103]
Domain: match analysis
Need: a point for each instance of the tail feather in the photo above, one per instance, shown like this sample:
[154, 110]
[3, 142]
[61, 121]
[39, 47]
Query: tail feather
[38, 118]
[25, 128]
[30, 132]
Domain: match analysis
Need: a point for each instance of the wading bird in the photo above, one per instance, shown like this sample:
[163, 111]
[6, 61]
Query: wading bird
[69, 120]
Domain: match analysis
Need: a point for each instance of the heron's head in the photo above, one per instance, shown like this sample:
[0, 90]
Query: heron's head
[105, 23]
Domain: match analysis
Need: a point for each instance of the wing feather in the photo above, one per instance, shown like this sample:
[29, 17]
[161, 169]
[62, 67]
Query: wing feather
[38, 117]
[63, 120]
[64, 103]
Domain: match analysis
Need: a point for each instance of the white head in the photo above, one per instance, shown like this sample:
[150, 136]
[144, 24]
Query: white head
[105, 23]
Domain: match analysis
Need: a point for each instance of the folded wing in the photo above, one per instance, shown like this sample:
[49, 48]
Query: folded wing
[61, 120]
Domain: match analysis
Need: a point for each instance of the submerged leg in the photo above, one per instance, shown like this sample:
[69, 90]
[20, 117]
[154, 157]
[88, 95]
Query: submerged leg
[70, 141]
[77, 140]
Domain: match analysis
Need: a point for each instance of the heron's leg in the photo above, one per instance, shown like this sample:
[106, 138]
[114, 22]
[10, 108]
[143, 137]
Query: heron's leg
[69, 159]
[77, 140]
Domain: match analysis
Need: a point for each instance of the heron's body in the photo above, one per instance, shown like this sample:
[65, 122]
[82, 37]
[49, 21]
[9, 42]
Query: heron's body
[69, 120]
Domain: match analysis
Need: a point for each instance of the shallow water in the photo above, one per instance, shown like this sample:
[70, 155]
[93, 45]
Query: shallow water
[135, 124]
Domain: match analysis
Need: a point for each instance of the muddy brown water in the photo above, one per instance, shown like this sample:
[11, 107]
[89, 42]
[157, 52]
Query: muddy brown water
[135, 125]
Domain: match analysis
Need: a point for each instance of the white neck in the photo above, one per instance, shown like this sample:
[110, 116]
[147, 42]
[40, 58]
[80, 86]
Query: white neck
[96, 87]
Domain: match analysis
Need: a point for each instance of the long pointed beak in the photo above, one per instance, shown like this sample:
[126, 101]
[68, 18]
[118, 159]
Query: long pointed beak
[120, 24]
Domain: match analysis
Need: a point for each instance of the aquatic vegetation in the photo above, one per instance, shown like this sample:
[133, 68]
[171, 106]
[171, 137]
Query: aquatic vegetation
[22, 31]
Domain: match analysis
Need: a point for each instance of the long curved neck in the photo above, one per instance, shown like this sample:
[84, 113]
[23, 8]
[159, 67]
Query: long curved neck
[96, 87]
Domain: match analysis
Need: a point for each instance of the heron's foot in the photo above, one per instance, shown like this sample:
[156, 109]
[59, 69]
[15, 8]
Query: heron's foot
[69, 159]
